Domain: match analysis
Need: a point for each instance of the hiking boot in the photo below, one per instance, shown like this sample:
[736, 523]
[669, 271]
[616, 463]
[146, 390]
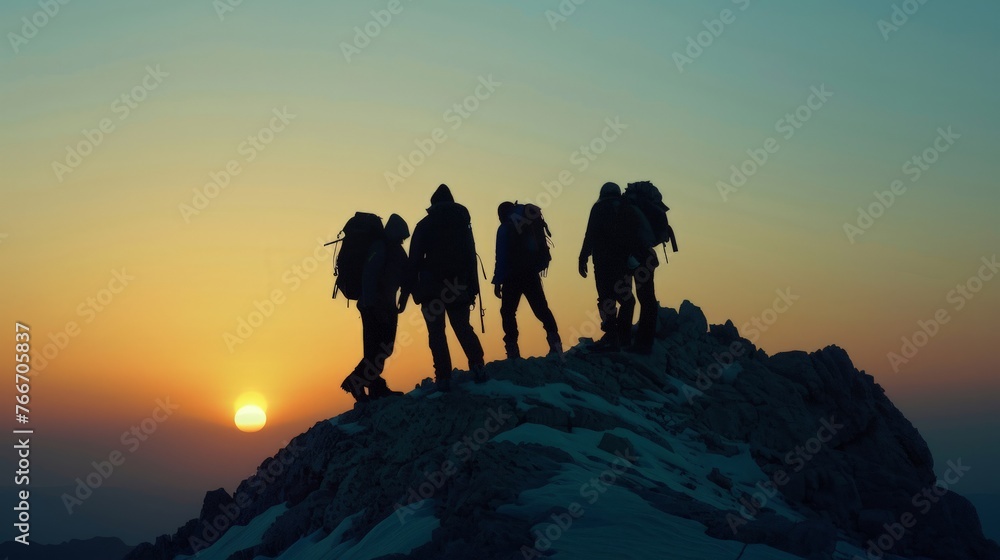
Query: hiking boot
[555, 346]
[378, 389]
[640, 349]
[443, 382]
[625, 340]
[607, 343]
[355, 385]
[478, 373]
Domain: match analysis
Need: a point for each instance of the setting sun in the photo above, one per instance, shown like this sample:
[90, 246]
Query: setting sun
[250, 418]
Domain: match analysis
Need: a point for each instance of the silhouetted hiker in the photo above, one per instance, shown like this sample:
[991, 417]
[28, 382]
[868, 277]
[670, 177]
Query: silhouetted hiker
[522, 255]
[442, 275]
[381, 277]
[649, 201]
[616, 233]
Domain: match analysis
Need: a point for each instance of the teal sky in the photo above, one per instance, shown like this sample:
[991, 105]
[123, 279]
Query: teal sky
[354, 119]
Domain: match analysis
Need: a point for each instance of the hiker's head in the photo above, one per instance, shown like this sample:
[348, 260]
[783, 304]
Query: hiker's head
[505, 210]
[610, 190]
[442, 194]
[396, 229]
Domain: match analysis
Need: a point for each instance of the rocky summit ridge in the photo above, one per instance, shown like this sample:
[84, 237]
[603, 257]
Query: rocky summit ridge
[708, 448]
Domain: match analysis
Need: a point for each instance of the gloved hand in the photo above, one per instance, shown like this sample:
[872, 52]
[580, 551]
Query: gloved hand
[583, 267]
[498, 290]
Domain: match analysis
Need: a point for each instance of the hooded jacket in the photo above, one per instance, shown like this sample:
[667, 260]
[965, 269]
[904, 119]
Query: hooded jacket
[383, 273]
[442, 260]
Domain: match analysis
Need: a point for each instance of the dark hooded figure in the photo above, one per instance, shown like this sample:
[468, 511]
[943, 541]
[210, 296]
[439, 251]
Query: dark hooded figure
[442, 276]
[617, 236]
[381, 279]
[516, 276]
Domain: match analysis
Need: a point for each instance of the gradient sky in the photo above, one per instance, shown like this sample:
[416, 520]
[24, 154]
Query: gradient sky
[62, 238]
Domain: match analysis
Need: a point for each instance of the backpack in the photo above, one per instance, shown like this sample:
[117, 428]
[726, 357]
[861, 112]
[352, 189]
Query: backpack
[648, 199]
[357, 238]
[533, 236]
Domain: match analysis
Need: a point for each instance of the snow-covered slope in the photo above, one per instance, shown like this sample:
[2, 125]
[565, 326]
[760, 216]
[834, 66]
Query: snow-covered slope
[708, 448]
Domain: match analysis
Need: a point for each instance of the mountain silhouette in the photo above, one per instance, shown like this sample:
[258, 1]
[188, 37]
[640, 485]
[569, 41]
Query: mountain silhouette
[98, 548]
[707, 448]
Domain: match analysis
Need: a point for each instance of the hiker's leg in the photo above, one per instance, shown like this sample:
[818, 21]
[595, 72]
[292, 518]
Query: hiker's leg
[535, 295]
[626, 308]
[378, 388]
[509, 302]
[388, 321]
[372, 336]
[645, 291]
[606, 299]
[458, 315]
[434, 317]
[355, 382]
[390, 324]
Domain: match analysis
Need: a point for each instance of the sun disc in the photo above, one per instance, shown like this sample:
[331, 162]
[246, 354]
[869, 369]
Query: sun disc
[250, 418]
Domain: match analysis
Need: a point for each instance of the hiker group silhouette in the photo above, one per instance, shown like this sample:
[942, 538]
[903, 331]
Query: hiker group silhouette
[441, 274]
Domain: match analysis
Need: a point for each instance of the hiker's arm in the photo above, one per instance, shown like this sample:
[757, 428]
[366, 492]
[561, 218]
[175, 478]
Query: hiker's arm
[588, 243]
[588, 238]
[374, 267]
[503, 242]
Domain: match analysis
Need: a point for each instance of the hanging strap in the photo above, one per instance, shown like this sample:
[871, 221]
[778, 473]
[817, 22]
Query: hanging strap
[336, 272]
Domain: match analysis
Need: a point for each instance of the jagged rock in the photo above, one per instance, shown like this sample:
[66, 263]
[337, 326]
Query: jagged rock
[214, 501]
[725, 334]
[716, 477]
[692, 320]
[615, 445]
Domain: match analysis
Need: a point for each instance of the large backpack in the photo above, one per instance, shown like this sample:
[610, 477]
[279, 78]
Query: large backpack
[356, 239]
[648, 199]
[533, 236]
